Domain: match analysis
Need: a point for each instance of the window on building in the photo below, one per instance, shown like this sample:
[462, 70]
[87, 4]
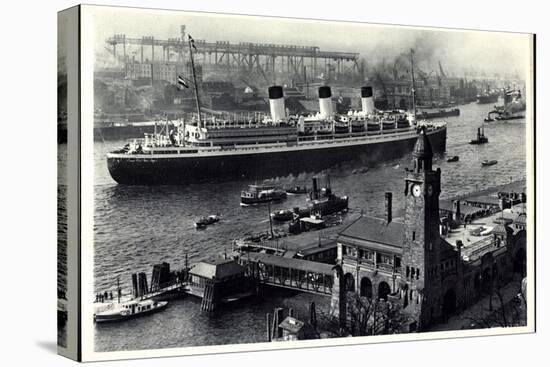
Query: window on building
[414, 235]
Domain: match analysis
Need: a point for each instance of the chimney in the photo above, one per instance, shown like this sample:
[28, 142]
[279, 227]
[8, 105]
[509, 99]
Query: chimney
[325, 101]
[135, 285]
[367, 100]
[456, 205]
[315, 189]
[388, 207]
[276, 103]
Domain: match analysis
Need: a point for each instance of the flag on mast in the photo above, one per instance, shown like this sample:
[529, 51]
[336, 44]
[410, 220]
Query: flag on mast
[182, 83]
[192, 42]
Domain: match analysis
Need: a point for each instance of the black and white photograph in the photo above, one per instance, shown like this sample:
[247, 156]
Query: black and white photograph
[270, 182]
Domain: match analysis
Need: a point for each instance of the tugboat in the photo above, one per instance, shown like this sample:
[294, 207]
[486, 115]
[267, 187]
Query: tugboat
[481, 138]
[260, 194]
[206, 221]
[486, 162]
[324, 202]
[128, 310]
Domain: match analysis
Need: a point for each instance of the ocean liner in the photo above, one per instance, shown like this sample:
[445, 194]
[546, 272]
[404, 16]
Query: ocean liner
[213, 148]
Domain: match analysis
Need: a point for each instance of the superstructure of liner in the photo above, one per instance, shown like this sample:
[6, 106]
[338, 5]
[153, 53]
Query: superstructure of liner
[266, 146]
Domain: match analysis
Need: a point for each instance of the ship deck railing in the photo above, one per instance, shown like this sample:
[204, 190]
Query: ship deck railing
[313, 140]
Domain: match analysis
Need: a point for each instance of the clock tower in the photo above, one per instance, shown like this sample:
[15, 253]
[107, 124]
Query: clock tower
[421, 243]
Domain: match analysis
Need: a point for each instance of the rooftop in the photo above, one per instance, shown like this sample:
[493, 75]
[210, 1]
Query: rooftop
[376, 230]
[285, 262]
[447, 205]
[517, 187]
[483, 199]
[476, 236]
[217, 268]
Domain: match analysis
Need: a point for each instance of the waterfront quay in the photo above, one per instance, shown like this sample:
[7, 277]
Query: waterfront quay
[477, 228]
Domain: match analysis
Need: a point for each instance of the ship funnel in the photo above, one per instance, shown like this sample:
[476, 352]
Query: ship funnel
[325, 101]
[276, 103]
[367, 100]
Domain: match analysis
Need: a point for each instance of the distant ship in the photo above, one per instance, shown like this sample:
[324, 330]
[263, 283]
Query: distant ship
[278, 144]
[487, 97]
[438, 114]
[513, 108]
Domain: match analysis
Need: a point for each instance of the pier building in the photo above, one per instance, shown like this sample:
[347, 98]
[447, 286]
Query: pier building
[429, 272]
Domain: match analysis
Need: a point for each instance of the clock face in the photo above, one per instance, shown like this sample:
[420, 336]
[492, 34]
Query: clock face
[430, 190]
[416, 191]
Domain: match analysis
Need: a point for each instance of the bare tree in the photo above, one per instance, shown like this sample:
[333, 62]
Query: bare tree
[363, 317]
[502, 312]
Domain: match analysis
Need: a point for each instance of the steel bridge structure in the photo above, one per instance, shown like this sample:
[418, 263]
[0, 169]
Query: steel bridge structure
[254, 57]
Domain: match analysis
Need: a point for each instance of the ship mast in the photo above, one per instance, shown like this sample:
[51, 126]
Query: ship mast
[191, 46]
[413, 90]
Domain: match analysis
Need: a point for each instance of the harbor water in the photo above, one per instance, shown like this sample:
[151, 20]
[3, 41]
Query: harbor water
[136, 227]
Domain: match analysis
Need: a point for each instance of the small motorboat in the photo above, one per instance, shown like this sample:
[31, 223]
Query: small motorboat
[297, 190]
[454, 158]
[128, 310]
[205, 221]
[289, 214]
[489, 162]
[282, 215]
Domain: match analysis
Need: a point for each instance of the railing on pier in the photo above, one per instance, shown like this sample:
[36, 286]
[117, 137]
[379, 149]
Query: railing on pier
[301, 275]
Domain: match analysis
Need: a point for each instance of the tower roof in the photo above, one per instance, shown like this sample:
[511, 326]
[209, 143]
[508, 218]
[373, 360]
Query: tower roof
[423, 148]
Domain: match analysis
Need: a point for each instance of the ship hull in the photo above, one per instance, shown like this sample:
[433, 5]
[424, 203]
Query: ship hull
[487, 99]
[131, 170]
[438, 114]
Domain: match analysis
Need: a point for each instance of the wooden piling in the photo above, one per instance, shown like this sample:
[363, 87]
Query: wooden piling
[268, 326]
[208, 299]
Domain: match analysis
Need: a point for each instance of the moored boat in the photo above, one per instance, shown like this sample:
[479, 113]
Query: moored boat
[289, 214]
[454, 158]
[128, 310]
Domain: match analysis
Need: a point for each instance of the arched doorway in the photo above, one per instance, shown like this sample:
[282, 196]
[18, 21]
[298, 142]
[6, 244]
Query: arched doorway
[349, 283]
[366, 288]
[520, 262]
[383, 291]
[449, 304]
